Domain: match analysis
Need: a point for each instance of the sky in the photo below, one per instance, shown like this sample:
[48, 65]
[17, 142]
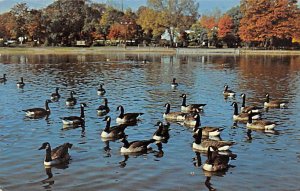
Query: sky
[205, 6]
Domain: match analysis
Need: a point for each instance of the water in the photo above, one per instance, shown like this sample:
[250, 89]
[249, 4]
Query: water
[270, 161]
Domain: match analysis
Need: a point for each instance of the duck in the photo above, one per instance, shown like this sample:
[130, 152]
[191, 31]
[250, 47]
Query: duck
[76, 120]
[202, 145]
[259, 124]
[135, 146]
[114, 131]
[215, 161]
[173, 116]
[3, 79]
[274, 103]
[242, 117]
[58, 155]
[174, 84]
[21, 83]
[39, 112]
[127, 117]
[162, 132]
[71, 101]
[247, 109]
[101, 91]
[55, 96]
[227, 92]
[191, 107]
[103, 109]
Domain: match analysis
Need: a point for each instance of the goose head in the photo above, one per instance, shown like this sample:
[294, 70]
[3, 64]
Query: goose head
[107, 118]
[83, 105]
[45, 145]
[183, 96]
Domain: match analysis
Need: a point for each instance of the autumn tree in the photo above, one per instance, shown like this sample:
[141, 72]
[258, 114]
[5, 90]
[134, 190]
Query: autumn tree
[225, 30]
[268, 21]
[236, 15]
[108, 19]
[7, 26]
[20, 13]
[210, 23]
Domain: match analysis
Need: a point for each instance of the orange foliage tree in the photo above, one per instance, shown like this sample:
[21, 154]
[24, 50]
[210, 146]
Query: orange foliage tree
[268, 21]
[210, 24]
[225, 30]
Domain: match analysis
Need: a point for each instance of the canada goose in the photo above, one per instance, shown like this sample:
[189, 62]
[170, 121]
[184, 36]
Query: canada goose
[3, 79]
[227, 92]
[76, 120]
[274, 103]
[215, 161]
[103, 109]
[192, 120]
[127, 117]
[259, 124]
[21, 83]
[246, 109]
[162, 132]
[39, 112]
[174, 84]
[55, 96]
[209, 131]
[173, 116]
[135, 146]
[242, 117]
[191, 107]
[59, 155]
[71, 101]
[101, 90]
[203, 145]
[113, 132]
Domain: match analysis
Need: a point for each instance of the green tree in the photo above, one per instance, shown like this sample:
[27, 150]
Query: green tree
[174, 15]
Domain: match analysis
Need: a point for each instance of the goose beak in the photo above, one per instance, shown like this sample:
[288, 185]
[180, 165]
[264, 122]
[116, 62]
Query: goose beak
[41, 148]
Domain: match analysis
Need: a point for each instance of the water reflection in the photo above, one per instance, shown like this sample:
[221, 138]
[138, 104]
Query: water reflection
[145, 86]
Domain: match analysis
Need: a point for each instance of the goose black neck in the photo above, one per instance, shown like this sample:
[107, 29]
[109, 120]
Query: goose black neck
[56, 90]
[105, 102]
[22, 80]
[244, 101]
[107, 125]
[183, 101]
[125, 143]
[236, 112]
[121, 112]
[197, 121]
[168, 109]
[226, 88]
[47, 106]
[81, 112]
[159, 130]
[48, 154]
[198, 137]
[250, 118]
[71, 94]
[209, 156]
[267, 99]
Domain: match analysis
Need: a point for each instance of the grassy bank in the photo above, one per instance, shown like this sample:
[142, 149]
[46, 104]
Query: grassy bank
[144, 50]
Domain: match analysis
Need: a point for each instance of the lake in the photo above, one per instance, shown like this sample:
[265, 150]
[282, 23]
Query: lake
[141, 83]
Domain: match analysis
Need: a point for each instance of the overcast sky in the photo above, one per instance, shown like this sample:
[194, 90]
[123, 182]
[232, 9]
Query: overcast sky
[205, 5]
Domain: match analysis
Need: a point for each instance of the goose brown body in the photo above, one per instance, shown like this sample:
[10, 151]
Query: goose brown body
[190, 107]
[58, 155]
[127, 117]
[39, 112]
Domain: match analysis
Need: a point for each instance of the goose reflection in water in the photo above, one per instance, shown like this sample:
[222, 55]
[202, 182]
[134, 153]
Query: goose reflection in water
[197, 160]
[49, 181]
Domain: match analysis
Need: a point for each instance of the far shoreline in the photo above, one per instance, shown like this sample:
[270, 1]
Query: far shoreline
[141, 50]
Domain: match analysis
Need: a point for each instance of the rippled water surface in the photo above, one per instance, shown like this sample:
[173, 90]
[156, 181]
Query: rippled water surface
[141, 83]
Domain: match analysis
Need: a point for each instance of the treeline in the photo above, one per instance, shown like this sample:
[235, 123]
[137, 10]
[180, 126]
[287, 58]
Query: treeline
[259, 23]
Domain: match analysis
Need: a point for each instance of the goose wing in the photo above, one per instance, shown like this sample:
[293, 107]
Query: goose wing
[143, 143]
[212, 129]
[132, 116]
[36, 111]
[71, 118]
[60, 151]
